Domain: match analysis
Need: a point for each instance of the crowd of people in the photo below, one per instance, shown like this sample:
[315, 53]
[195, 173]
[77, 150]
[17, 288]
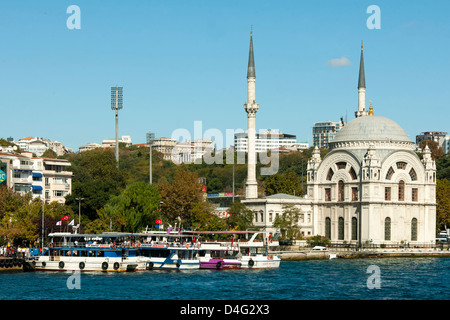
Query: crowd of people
[11, 251]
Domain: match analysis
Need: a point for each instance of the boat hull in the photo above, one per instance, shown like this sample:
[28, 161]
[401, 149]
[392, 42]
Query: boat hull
[263, 262]
[84, 265]
[220, 264]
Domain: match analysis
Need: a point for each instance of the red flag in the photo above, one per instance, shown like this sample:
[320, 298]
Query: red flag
[158, 221]
[65, 218]
[204, 189]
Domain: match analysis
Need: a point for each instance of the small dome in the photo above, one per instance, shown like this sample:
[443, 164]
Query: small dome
[368, 128]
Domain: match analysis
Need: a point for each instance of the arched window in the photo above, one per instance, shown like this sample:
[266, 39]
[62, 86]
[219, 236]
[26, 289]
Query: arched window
[328, 228]
[414, 229]
[330, 174]
[401, 190]
[387, 229]
[413, 174]
[390, 173]
[341, 228]
[341, 190]
[353, 173]
[401, 165]
[354, 228]
[341, 165]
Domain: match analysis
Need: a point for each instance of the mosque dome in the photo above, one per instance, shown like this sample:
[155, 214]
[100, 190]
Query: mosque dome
[371, 128]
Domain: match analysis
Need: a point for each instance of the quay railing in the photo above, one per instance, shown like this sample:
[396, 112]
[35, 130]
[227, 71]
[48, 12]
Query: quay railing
[371, 246]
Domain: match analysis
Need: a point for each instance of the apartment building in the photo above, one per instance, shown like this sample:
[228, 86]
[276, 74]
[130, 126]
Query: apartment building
[48, 178]
[324, 132]
[165, 146]
[265, 140]
[190, 151]
[111, 143]
[23, 173]
[57, 179]
[38, 146]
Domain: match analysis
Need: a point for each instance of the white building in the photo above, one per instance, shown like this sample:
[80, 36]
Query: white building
[111, 143]
[370, 188]
[46, 178]
[38, 146]
[165, 146]
[89, 146]
[265, 140]
[190, 151]
[324, 132]
[57, 179]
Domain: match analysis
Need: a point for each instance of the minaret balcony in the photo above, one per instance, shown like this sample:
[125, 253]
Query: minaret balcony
[251, 108]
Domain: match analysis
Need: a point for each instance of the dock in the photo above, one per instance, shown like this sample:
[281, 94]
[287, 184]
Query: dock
[11, 263]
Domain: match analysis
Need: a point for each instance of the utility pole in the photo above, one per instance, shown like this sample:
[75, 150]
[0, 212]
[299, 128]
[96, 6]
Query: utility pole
[150, 137]
[79, 210]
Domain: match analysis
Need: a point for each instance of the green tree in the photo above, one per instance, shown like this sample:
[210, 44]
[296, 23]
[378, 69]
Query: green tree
[443, 167]
[178, 199]
[95, 179]
[241, 218]
[134, 209]
[49, 153]
[288, 182]
[443, 204]
[436, 150]
[203, 218]
[287, 222]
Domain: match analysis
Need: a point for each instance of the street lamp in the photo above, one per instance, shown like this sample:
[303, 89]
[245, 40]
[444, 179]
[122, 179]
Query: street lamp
[117, 104]
[150, 137]
[79, 210]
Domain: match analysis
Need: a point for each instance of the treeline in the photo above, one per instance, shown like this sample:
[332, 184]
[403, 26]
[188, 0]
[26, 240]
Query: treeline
[121, 198]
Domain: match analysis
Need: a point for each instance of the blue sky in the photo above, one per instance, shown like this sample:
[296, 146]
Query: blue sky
[186, 61]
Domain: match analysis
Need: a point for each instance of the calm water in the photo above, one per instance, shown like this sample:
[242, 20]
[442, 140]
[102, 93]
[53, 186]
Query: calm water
[337, 279]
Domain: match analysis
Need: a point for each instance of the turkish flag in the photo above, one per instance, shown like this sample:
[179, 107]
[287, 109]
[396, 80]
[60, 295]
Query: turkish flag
[65, 218]
[158, 221]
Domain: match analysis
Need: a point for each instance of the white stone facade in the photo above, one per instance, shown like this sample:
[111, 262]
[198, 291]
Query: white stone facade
[373, 189]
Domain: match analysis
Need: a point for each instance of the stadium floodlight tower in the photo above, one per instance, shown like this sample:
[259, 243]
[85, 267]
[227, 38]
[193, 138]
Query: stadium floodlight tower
[116, 104]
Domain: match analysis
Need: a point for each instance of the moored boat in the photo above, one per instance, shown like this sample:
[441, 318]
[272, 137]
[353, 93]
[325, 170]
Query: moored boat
[218, 256]
[168, 250]
[252, 253]
[88, 252]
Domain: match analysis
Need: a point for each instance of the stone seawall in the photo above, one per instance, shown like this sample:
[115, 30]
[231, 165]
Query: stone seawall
[294, 254]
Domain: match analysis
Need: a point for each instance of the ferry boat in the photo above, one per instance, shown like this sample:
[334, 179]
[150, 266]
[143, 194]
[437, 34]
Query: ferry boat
[255, 253]
[168, 250]
[240, 253]
[115, 252]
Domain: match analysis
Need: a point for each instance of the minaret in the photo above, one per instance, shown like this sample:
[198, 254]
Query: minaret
[251, 107]
[361, 88]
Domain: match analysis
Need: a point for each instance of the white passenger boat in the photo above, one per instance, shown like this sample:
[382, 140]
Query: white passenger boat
[255, 253]
[89, 252]
[168, 250]
[252, 253]
[219, 255]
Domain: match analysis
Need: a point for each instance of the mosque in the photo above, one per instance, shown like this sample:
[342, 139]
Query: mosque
[371, 187]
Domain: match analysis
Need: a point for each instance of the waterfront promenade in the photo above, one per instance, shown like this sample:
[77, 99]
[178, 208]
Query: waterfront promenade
[293, 253]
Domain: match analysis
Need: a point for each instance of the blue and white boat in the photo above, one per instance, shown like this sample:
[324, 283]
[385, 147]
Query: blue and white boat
[168, 250]
[114, 252]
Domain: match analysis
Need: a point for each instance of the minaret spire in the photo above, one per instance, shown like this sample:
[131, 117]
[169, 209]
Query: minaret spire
[361, 88]
[251, 107]
[362, 79]
[251, 59]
